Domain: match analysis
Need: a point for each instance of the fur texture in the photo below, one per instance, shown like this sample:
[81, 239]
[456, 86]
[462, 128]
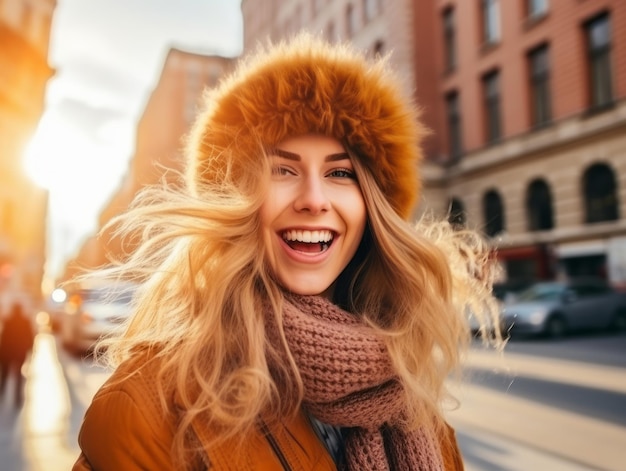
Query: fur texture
[309, 86]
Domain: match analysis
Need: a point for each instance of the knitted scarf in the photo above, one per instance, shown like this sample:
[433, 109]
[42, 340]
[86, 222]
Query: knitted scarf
[349, 381]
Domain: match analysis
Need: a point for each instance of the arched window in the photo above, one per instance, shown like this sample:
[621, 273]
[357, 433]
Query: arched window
[351, 21]
[317, 6]
[494, 213]
[600, 190]
[379, 48]
[539, 206]
[371, 9]
[330, 32]
[456, 213]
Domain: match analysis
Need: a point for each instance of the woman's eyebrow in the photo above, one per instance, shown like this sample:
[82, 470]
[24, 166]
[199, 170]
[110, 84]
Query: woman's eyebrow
[285, 154]
[336, 157]
[293, 156]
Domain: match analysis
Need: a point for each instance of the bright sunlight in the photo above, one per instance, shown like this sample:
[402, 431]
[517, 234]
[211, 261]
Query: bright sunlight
[81, 170]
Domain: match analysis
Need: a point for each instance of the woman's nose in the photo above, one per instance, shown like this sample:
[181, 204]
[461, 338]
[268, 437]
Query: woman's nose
[312, 196]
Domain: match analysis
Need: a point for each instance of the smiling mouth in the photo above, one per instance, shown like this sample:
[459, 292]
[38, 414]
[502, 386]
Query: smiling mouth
[309, 241]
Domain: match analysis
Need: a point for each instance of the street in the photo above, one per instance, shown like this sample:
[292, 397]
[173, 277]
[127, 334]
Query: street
[545, 405]
[42, 435]
[557, 406]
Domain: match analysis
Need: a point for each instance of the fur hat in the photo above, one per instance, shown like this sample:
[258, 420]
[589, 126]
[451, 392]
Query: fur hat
[307, 85]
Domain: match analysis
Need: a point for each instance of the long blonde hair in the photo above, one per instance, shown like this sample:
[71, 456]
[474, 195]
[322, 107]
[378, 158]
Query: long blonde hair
[416, 284]
[204, 284]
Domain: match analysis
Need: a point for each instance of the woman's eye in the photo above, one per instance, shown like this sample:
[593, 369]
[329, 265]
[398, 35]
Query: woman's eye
[342, 173]
[280, 170]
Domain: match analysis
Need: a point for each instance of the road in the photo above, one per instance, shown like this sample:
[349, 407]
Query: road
[544, 405]
[553, 406]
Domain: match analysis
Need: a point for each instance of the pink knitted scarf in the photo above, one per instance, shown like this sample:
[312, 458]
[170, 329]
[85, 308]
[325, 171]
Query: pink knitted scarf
[349, 381]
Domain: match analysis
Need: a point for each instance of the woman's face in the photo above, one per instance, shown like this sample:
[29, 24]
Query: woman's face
[314, 215]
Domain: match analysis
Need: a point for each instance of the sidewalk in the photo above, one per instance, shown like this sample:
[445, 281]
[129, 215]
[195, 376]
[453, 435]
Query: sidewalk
[35, 437]
[609, 378]
[483, 451]
[10, 433]
[522, 434]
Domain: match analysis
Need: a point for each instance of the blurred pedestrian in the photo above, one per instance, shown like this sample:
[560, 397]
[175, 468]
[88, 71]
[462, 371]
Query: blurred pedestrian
[290, 316]
[16, 343]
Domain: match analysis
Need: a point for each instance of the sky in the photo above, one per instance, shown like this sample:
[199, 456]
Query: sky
[107, 56]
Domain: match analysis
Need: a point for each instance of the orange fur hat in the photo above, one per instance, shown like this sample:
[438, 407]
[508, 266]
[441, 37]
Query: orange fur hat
[307, 85]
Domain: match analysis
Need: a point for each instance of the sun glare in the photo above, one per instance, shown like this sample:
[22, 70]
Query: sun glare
[62, 159]
[48, 154]
[80, 166]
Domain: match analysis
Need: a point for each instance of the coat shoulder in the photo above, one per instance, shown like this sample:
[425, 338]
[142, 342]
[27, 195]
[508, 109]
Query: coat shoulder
[125, 427]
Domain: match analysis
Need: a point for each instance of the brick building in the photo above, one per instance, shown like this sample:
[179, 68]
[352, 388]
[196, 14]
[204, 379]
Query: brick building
[530, 127]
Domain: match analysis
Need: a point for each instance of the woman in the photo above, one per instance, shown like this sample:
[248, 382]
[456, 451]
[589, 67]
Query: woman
[290, 317]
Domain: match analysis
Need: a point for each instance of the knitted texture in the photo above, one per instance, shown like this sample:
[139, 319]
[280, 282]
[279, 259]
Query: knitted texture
[349, 381]
[307, 85]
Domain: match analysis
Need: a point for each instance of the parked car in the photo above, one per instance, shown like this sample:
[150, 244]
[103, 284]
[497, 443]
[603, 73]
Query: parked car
[93, 313]
[505, 292]
[557, 308]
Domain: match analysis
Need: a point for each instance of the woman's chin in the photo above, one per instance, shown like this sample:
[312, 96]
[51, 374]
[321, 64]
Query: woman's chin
[309, 289]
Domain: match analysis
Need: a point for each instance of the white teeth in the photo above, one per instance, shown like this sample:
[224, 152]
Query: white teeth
[310, 237]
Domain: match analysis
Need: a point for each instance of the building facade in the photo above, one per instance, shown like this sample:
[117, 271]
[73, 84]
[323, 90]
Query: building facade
[373, 25]
[24, 72]
[530, 130]
[527, 103]
[166, 119]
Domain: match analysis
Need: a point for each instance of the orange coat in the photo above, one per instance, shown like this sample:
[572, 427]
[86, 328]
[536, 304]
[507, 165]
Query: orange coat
[125, 429]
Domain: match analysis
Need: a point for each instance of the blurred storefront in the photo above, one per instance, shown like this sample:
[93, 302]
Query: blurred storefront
[588, 258]
[531, 262]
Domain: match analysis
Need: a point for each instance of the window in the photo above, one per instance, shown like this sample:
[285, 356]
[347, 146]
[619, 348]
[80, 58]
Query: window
[491, 21]
[46, 26]
[494, 213]
[539, 69]
[539, 206]
[456, 213]
[491, 92]
[449, 39]
[535, 8]
[27, 18]
[600, 190]
[590, 289]
[214, 72]
[598, 33]
[379, 48]
[193, 89]
[330, 31]
[298, 18]
[317, 5]
[370, 8]
[351, 25]
[454, 126]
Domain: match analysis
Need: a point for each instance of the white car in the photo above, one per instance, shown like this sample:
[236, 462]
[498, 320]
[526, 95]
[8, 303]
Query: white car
[93, 313]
